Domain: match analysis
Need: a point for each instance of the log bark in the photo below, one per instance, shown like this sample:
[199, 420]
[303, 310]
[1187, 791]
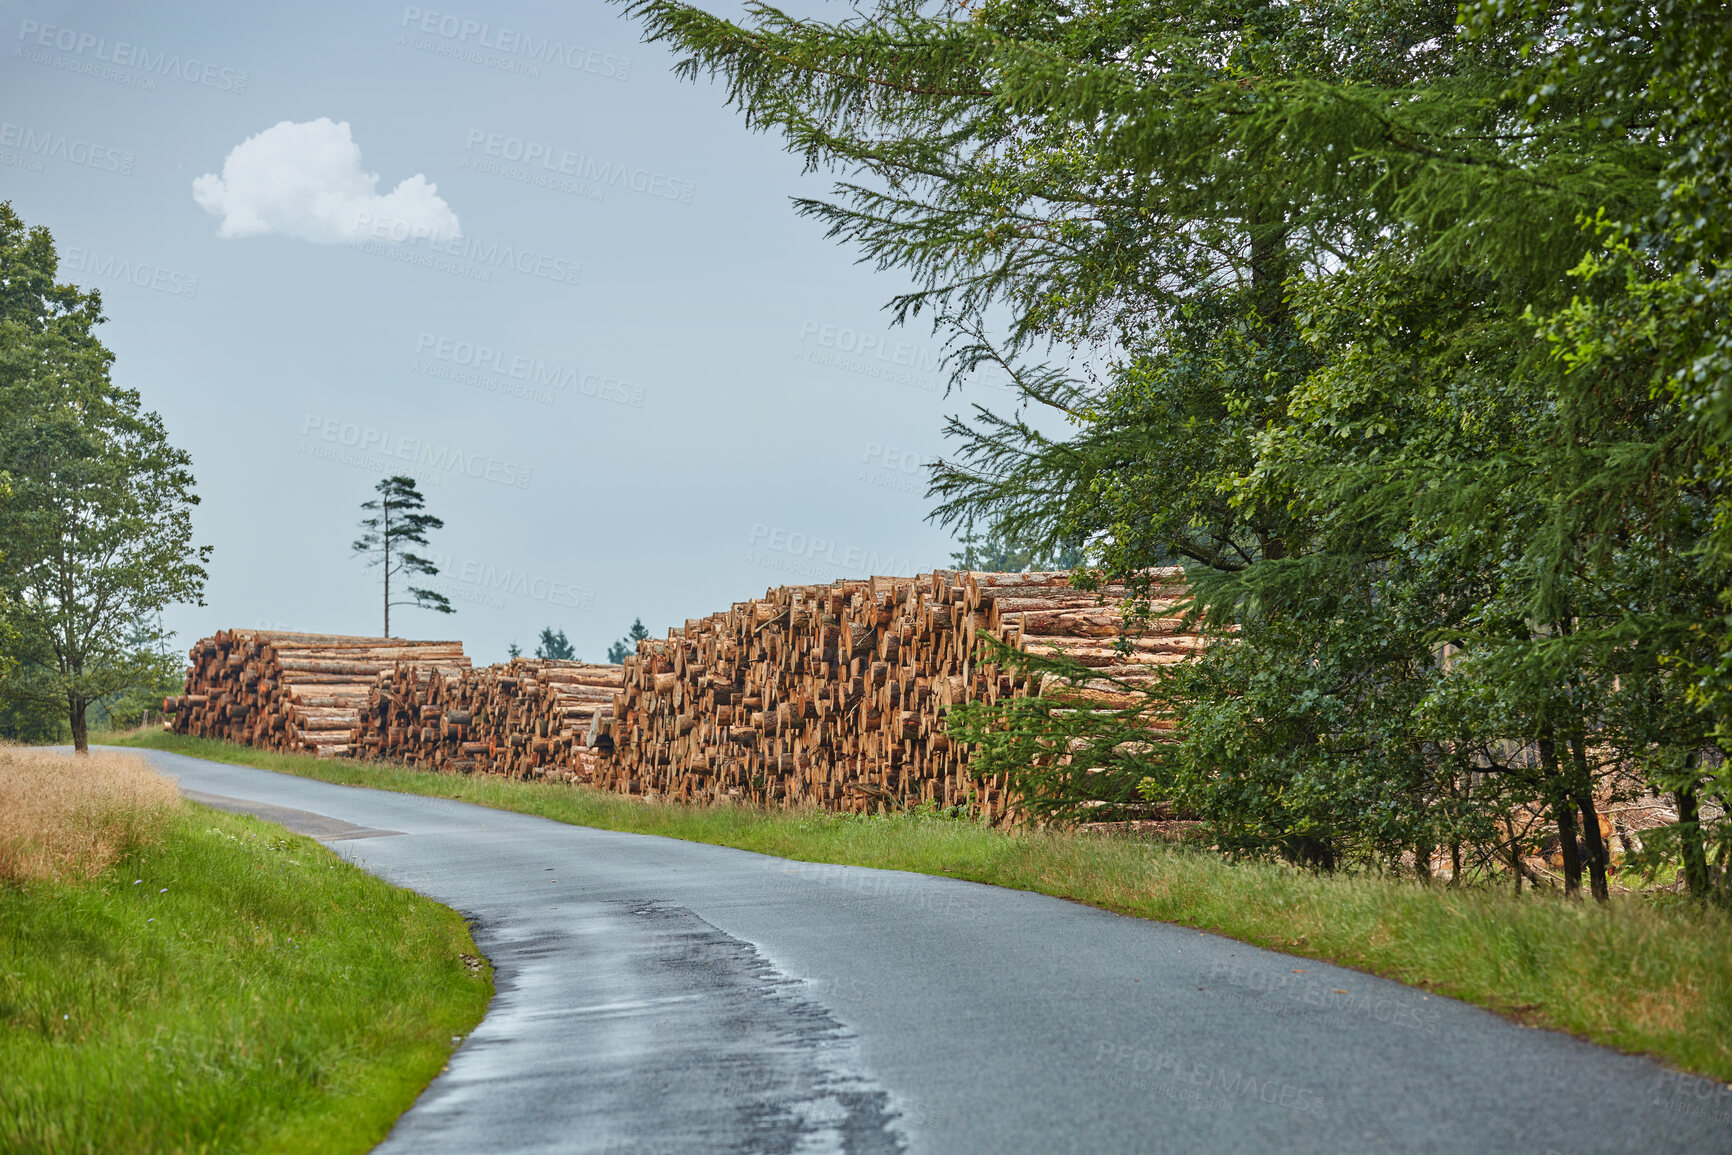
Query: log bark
[829, 695]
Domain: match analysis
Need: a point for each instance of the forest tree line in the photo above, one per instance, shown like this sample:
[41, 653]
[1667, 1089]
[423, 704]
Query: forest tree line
[1401, 326]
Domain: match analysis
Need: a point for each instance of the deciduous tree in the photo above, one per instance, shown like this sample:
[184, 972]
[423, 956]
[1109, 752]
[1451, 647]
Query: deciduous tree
[97, 516]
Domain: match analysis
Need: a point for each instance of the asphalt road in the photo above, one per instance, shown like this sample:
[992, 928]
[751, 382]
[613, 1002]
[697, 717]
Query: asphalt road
[658, 997]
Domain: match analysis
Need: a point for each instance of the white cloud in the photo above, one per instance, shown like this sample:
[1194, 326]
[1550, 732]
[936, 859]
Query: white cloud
[306, 180]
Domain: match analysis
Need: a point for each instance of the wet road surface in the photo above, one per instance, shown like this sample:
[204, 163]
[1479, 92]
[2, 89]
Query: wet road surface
[658, 997]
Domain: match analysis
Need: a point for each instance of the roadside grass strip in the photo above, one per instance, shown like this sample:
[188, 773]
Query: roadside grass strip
[201, 981]
[1646, 973]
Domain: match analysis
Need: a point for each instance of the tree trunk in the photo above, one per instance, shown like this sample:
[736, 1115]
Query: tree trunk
[80, 728]
[1460, 786]
[1270, 261]
[1597, 856]
[1590, 819]
[1515, 853]
[385, 564]
[1564, 810]
[1690, 840]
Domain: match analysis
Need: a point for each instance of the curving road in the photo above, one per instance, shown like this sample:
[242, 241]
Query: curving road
[658, 997]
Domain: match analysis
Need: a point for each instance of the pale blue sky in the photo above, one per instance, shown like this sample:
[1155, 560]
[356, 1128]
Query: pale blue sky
[716, 406]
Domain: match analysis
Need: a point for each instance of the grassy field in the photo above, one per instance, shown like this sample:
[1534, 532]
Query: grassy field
[173, 978]
[1645, 973]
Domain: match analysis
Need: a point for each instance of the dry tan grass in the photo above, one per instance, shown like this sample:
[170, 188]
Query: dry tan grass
[64, 817]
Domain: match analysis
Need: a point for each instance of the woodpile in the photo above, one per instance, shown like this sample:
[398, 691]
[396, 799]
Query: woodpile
[294, 691]
[833, 696]
[528, 718]
[836, 695]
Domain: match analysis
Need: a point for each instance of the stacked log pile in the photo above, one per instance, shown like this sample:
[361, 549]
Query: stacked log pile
[294, 691]
[836, 695]
[527, 718]
[827, 695]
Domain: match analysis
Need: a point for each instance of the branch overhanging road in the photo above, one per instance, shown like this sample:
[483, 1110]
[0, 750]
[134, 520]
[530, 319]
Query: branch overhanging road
[658, 996]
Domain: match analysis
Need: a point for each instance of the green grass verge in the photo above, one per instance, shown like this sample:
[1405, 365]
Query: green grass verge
[250, 992]
[1645, 973]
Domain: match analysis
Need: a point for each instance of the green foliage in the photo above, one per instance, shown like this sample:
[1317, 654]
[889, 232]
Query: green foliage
[998, 552]
[1403, 328]
[253, 993]
[135, 705]
[554, 645]
[395, 523]
[1066, 763]
[627, 646]
[32, 723]
[96, 510]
